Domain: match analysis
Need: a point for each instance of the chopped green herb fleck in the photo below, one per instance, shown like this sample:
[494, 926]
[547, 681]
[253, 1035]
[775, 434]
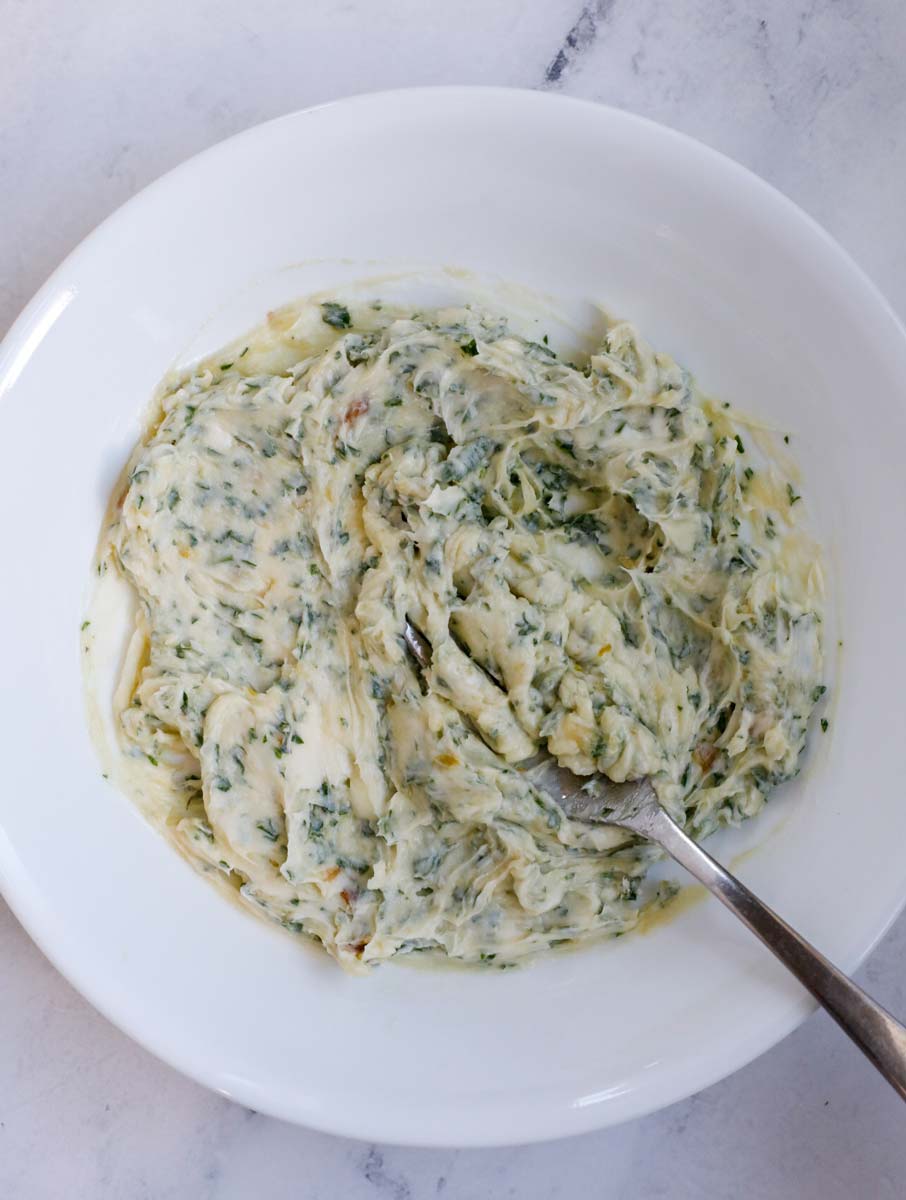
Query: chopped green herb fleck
[336, 315]
[269, 829]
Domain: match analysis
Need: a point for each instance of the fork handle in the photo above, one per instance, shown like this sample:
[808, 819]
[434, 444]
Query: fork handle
[881, 1038]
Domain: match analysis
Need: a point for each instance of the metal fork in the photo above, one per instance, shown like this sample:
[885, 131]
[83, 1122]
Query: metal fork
[634, 806]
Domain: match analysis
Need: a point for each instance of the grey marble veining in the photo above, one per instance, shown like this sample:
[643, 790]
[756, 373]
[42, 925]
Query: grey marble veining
[98, 98]
[579, 40]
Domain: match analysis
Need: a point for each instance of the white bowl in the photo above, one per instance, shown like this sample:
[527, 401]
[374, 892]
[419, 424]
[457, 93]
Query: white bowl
[588, 204]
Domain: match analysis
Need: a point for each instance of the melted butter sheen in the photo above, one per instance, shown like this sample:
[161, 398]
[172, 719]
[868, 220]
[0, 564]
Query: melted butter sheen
[596, 539]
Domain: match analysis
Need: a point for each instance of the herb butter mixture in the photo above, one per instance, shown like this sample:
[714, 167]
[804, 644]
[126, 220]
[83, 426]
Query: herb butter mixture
[600, 563]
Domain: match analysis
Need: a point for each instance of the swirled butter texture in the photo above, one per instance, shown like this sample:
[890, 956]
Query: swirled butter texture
[601, 564]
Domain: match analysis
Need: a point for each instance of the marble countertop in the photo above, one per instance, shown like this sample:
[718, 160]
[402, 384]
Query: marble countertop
[99, 98]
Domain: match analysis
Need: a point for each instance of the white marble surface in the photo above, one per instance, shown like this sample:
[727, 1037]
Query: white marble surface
[98, 97]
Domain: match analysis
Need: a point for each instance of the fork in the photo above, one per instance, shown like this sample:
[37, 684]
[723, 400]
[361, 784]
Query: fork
[634, 806]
